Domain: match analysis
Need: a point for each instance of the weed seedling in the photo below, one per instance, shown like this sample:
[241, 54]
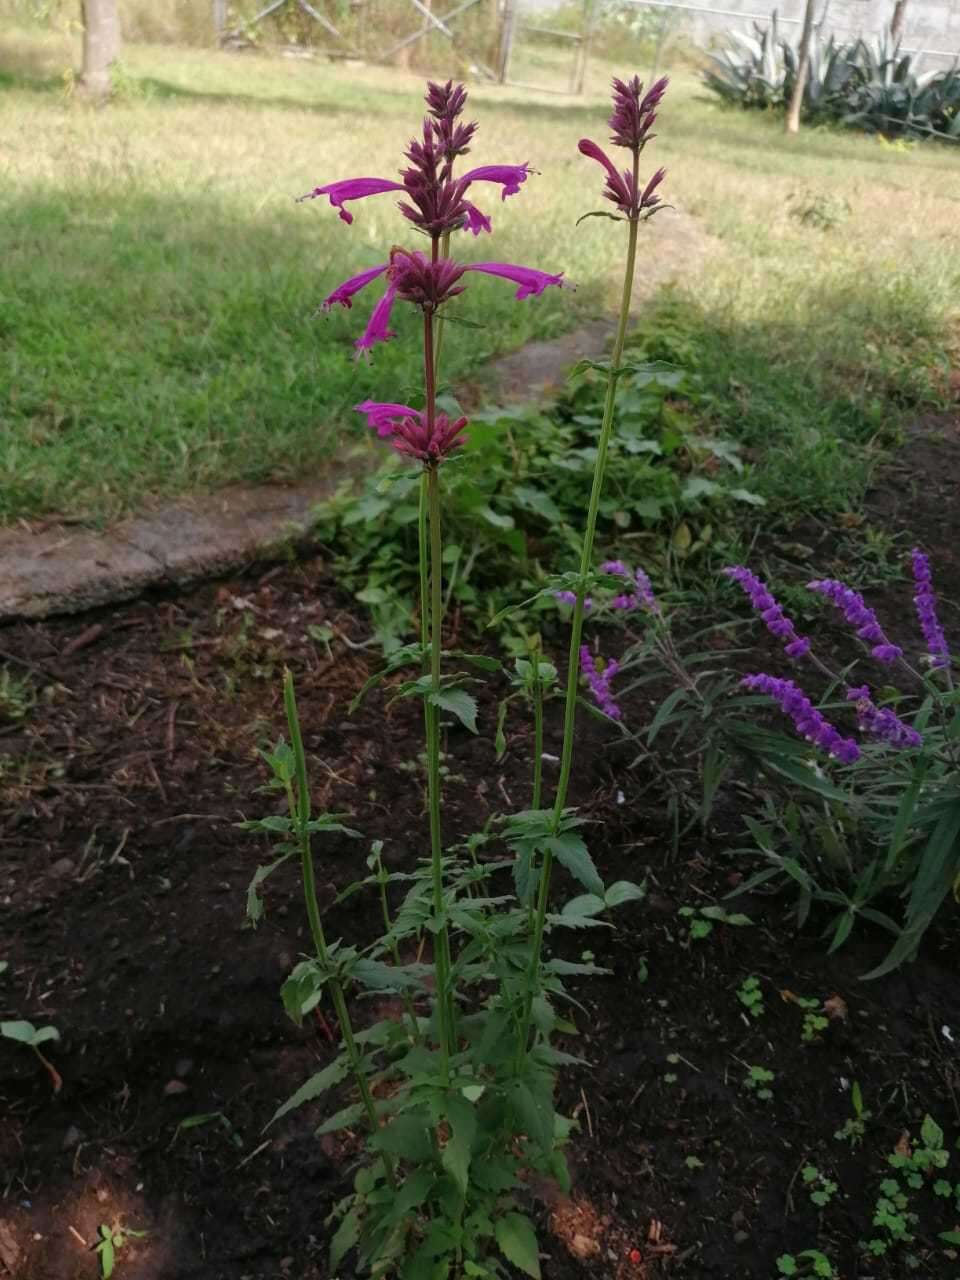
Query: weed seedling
[702, 919]
[26, 1033]
[855, 1126]
[821, 1189]
[811, 1262]
[751, 997]
[112, 1240]
[758, 1081]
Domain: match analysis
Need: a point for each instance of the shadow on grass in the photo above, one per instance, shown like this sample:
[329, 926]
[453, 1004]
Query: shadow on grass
[172, 343]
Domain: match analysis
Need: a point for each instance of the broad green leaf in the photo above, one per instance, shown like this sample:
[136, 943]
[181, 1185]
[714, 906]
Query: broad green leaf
[570, 851]
[462, 1119]
[518, 1243]
[624, 891]
[46, 1033]
[588, 904]
[107, 1256]
[460, 703]
[315, 1087]
[533, 1109]
[931, 1135]
[345, 1237]
[26, 1033]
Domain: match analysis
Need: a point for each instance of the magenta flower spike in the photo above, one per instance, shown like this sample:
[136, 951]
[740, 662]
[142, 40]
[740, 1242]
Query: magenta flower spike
[631, 121]
[434, 199]
[410, 433]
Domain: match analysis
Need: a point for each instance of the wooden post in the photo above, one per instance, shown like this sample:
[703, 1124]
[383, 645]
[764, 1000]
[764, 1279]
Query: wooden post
[506, 39]
[219, 19]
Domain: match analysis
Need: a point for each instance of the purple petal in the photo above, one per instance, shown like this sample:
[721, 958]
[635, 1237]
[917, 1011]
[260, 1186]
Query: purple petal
[476, 221]
[339, 193]
[529, 280]
[588, 148]
[343, 293]
[510, 176]
[383, 416]
[378, 327]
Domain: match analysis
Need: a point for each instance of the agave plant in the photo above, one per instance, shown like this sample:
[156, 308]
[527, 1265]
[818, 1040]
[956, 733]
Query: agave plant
[872, 86]
[751, 71]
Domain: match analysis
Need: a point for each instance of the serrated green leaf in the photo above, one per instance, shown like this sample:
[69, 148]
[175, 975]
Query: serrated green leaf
[517, 1241]
[532, 1105]
[345, 1237]
[624, 891]
[462, 1119]
[254, 901]
[315, 1087]
[346, 1118]
[931, 1135]
[571, 852]
[460, 703]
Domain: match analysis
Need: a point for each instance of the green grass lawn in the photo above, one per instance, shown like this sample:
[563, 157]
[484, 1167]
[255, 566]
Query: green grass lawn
[158, 283]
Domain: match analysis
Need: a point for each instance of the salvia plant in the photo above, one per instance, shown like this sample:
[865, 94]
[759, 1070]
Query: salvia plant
[871, 775]
[456, 1092]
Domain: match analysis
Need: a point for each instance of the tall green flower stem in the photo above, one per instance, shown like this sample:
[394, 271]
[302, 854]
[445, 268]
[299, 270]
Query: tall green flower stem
[576, 628]
[432, 716]
[537, 694]
[299, 805]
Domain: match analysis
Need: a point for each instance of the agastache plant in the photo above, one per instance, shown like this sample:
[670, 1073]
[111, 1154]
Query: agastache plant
[634, 112]
[458, 1103]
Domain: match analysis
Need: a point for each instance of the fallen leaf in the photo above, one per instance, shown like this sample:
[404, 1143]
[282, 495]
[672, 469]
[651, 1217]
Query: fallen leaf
[175, 1086]
[788, 996]
[836, 1007]
[903, 1145]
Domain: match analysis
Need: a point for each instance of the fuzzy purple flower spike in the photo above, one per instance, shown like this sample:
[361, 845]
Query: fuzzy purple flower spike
[881, 723]
[808, 721]
[861, 617]
[770, 611]
[599, 682]
[926, 603]
[642, 597]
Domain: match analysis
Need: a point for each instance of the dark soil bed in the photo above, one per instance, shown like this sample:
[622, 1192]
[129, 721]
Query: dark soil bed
[122, 886]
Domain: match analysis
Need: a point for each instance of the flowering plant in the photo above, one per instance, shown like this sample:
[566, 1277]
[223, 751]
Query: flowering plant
[872, 776]
[457, 1094]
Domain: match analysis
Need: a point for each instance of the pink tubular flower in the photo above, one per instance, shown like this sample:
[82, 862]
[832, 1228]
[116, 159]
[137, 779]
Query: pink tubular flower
[383, 416]
[528, 279]
[378, 326]
[510, 176]
[343, 293]
[477, 221]
[621, 189]
[413, 277]
[632, 119]
[339, 193]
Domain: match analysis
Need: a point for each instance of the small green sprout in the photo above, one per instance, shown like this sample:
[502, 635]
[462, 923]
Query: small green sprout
[751, 997]
[855, 1127]
[702, 919]
[821, 1189]
[112, 1240]
[811, 1262]
[758, 1081]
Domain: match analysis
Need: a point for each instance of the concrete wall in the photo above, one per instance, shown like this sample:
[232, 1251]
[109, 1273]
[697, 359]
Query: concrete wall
[931, 25]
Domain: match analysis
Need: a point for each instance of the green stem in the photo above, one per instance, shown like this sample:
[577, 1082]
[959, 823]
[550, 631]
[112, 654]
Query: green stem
[444, 252]
[299, 805]
[537, 736]
[432, 718]
[576, 629]
[423, 548]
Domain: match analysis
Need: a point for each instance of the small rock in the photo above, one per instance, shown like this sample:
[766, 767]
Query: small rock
[184, 1067]
[72, 1137]
[173, 1087]
[62, 868]
[584, 1246]
[741, 1237]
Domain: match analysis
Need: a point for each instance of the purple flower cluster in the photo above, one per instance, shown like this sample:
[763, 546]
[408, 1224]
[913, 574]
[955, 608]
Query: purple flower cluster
[859, 616]
[770, 611]
[926, 602]
[410, 432]
[599, 682]
[642, 595]
[808, 721]
[633, 115]
[436, 203]
[880, 722]
[570, 598]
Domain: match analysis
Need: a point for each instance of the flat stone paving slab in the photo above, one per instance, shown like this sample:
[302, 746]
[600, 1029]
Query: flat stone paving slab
[60, 569]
